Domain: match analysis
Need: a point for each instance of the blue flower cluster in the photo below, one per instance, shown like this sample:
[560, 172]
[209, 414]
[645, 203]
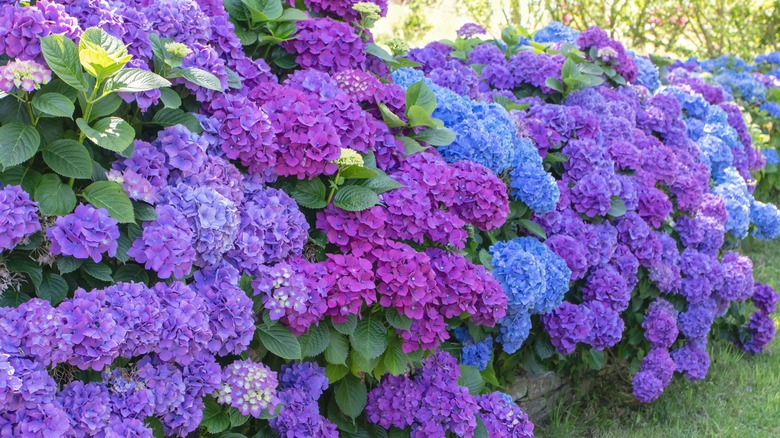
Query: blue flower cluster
[485, 134]
[534, 279]
[555, 32]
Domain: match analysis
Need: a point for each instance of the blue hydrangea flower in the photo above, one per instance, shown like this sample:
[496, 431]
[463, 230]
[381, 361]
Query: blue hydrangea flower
[766, 218]
[771, 156]
[555, 32]
[648, 72]
[715, 154]
[772, 108]
[731, 187]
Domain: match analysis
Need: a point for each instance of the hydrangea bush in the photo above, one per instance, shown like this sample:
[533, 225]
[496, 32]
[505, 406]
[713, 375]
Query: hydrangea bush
[251, 219]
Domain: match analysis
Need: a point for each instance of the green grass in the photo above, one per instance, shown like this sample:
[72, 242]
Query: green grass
[739, 398]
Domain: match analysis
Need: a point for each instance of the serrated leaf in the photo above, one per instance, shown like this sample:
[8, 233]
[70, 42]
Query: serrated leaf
[315, 340]
[18, 143]
[68, 158]
[112, 197]
[554, 84]
[381, 184]
[21, 176]
[337, 350]
[411, 146]
[348, 327]
[97, 270]
[236, 418]
[395, 360]
[358, 172]
[201, 78]
[361, 364]
[396, 320]
[335, 372]
[369, 338]
[419, 117]
[293, 14]
[53, 104]
[310, 193]
[101, 54]
[470, 378]
[131, 272]
[174, 116]
[104, 107]
[54, 198]
[436, 136]
[389, 117]
[135, 80]
[62, 57]
[68, 264]
[280, 341]
[379, 52]
[355, 198]
[111, 133]
[351, 395]
[53, 288]
[264, 10]
[143, 211]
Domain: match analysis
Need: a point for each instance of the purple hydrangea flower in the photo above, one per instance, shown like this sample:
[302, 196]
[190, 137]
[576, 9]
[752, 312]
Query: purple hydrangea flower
[18, 217]
[165, 245]
[503, 418]
[326, 45]
[764, 298]
[249, 387]
[87, 406]
[86, 233]
[660, 324]
[567, 325]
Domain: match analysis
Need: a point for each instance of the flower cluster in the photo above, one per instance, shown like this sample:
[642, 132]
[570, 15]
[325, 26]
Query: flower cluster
[301, 385]
[432, 403]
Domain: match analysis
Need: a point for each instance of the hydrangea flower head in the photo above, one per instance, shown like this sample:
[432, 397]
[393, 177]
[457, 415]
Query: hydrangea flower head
[249, 387]
[88, 232]
[26, 76]
[18, 216]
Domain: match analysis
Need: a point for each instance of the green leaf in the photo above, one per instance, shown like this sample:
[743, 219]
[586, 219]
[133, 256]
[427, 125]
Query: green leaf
[54, 198]
[555, 157]
[481, 430]
[101, 54]
[280, 341]
[53, 104]
[470, 378]
[143, 211]
[398, 321]
[486, 259]
[21, 176]
[53, 288]
[68, 158]
[361, 364]
[395, 360]
[554, 84]
[419, 94]
[62, 57]
[544, 349]
[351, 395]
[130, 273]
[337, 350]
[418, 117]
[596, 359]
[335, 372]
[533, 228]
[237, 419]
[617, 207]
[310, 193]
[174, 116]
[369, 338]
[358, 172]
[201, 78]
[380, 184]
[134, 80]
[170, 98]
[97, 270]
[104, 107]
[411, 146]
[214, 419]
[112, 197]
[68, 264]
[111, 133]
[346, 328]
[355, 198]
[154, 423]
[18, 143]
[293, 14]
[437, 136]
[264, 10]
[379, 52]
[389, 117]
[13, 298]
[315, 340]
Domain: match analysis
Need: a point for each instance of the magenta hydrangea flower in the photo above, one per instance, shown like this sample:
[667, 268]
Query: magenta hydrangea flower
[355, 232]
[249, 387]
[405, 280]
[88, 232]
[22, 27]
[482, 198]
[359, 85]
[18, 217]
[165, 245]
[350, 283]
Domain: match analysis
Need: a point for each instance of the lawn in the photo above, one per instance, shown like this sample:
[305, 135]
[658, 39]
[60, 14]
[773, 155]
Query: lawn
[739, 398]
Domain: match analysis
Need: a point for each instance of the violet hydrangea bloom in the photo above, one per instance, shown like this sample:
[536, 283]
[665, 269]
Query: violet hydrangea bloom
[87, 406]
[764, 298]
[18, 217]
[302, 385]
[660, 324]
[470, 30]
[26, 76]
[165, 245]
[568, 325]
[249, 387]
[88, 232]
[326, 45]
[760, 333]
[502, 417]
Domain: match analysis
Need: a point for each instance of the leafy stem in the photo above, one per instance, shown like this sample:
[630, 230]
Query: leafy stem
[334, 185]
